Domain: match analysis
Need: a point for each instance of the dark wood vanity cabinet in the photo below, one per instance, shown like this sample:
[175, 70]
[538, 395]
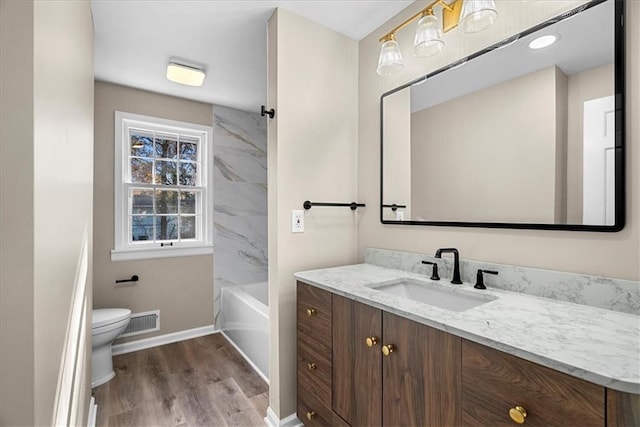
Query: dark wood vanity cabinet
[427, 377]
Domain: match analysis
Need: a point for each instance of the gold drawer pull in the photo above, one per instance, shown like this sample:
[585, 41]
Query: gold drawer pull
[388, 349]
[310, 415]
[311, 311]
[371, 341]
[518, 414]
[311, 366]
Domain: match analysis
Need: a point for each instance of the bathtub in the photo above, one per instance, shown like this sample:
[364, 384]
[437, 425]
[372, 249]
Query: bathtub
[245, 321]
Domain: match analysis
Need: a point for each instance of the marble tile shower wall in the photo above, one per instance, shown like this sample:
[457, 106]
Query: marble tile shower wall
[603, 292]
[239, 199]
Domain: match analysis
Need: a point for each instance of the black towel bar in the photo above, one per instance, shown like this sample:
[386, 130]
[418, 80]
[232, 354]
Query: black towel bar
[353, 205]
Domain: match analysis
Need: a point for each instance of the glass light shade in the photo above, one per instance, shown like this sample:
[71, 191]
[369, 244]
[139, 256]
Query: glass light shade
[390, 59]
[184, 74]
[428, 40]
[477, 15]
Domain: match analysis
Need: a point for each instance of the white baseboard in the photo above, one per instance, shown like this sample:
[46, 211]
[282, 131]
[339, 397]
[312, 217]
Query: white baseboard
[129, 347]
[93, 412]
[255, 368]
[272, 420]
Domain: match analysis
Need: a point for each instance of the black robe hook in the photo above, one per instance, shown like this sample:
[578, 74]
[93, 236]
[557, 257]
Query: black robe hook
[264, 112]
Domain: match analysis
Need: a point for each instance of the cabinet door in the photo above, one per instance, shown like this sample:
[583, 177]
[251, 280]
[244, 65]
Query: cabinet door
[357, 370]
[623, 409]
[421, 377]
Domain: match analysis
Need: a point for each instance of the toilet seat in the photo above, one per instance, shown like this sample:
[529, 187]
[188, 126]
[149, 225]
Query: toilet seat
[108, 316]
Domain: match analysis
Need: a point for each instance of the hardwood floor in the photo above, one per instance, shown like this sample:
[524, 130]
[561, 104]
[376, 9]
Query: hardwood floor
[198, 382]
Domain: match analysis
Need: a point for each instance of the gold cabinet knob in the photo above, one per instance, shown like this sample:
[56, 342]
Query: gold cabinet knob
[371, 341]
[310, 415]
[518, 414]
[311, 311]
[388, 349]
[311, 366]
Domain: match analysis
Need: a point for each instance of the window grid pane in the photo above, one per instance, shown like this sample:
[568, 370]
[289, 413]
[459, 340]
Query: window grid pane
[141, 227]
[140, 143]
[166, 146]
[140, 170]
[189, 148]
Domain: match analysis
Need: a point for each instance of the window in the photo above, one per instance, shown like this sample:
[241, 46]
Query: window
[163, 201]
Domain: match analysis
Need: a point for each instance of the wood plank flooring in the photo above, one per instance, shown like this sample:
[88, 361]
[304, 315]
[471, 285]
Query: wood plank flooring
[198, 382]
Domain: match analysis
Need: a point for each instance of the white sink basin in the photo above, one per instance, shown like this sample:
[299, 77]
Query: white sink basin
[447, 297]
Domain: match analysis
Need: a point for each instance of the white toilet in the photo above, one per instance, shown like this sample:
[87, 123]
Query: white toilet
[107, 324]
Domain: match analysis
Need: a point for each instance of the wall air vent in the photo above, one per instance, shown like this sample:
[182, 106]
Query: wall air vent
[142, 323]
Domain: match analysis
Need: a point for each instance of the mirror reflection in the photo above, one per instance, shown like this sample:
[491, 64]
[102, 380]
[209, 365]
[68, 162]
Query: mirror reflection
[523, 134]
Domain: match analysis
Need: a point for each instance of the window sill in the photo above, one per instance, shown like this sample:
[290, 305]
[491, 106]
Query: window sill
[151, 253]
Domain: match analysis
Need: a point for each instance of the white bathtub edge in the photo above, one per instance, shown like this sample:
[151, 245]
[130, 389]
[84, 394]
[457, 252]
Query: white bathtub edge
[241, 293]
[244, 356]
[129, 347]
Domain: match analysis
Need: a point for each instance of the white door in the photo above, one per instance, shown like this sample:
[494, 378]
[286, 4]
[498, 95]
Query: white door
[599, 162]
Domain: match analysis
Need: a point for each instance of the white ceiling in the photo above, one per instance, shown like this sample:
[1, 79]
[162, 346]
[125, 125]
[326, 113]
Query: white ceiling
[134, 40]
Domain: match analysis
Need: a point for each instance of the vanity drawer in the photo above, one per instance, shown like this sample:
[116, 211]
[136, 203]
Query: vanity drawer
[314, 313]
[494, 382]
[314, 369]
[312, 411]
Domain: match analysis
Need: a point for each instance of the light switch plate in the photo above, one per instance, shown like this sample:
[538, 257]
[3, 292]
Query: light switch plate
[297, 221]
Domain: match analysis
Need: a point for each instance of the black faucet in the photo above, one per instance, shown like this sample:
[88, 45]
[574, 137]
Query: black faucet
[456, 263]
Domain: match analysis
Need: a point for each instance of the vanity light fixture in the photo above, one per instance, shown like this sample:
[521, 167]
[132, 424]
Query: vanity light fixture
[185, 74]
[543, 41]
[470, 16]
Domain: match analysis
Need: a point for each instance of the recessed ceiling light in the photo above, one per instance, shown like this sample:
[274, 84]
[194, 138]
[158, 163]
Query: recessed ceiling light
[185, 74]
[543, 41]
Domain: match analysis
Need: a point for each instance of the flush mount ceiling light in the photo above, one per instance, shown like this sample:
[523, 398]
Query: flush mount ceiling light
[543, 41]
[470, 16]
[185, 74]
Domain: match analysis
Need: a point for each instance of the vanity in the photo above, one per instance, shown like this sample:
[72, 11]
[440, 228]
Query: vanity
[368, 356]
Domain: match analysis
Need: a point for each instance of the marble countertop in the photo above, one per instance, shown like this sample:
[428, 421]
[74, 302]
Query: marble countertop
[598, 345]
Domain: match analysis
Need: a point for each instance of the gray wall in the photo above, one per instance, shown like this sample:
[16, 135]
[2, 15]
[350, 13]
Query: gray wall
[181, 287]
[312, 156]
[239, 199]
[46, 144]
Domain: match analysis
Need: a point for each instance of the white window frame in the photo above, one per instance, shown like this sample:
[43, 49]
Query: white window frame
[124, 249]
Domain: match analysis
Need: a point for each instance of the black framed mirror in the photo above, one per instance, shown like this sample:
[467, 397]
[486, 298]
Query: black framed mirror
[512, 137]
